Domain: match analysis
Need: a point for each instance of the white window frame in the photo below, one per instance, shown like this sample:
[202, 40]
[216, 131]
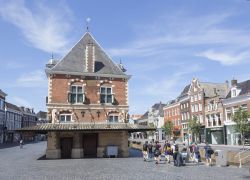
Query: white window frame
[106, 95]
[65, 119]
[113, 119]
[76, 94]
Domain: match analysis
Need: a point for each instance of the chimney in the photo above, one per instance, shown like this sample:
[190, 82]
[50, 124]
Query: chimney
[90, 57]
[233, 82]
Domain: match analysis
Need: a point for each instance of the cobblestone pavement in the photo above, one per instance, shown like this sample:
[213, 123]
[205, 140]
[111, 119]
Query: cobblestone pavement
[16, 163]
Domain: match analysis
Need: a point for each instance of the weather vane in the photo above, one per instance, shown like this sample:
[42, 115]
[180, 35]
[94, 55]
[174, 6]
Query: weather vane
[87, 23]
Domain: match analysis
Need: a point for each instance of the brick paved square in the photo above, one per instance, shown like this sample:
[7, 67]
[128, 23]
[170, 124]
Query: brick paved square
[22, 164]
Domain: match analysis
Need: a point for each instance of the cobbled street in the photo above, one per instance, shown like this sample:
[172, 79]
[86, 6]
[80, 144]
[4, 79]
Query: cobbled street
[22, 164]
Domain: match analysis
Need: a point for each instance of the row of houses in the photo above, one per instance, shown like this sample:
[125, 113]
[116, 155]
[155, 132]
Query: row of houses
[13, 117]
[213, 104]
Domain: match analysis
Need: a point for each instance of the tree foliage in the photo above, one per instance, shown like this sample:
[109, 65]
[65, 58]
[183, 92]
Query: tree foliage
[168, 128]
[194, 126]
[242, 126]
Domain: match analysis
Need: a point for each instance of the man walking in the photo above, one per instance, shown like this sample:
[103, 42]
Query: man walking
[21, 143]
[145, 151]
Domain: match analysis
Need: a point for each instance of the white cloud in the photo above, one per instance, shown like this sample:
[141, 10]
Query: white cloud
[185, 34]
[225, 58]
[20, 101]
[32, 79]
[44, 28]
[167, 87]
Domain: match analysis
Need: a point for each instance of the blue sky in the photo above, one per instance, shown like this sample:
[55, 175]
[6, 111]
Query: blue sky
[163, 44]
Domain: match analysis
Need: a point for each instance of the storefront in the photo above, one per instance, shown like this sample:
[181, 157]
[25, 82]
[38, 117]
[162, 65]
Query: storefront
[232, 137]
[215, 135]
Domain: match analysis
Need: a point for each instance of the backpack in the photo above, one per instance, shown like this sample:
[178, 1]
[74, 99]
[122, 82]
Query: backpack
[145, 147]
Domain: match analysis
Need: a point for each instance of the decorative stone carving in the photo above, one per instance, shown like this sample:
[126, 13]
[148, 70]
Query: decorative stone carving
[54, 116]
[74, 117]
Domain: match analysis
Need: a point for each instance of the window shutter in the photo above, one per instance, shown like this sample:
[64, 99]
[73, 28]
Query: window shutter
[69, 97]
[113, 98]
[83, 98]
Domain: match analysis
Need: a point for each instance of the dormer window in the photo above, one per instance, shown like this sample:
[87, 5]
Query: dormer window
[76, 94]
[106, 95]
[234, 93]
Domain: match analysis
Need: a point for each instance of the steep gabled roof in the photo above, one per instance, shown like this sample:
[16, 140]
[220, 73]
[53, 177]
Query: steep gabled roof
[243, 86]
[185, 91]
[75, 61]
[159, 107]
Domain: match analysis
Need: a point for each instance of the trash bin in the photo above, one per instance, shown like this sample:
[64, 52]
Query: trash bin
[221, 157]
[112, 151]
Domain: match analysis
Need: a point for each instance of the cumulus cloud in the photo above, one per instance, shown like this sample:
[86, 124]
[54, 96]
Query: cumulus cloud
[185, 34]
[44, 28]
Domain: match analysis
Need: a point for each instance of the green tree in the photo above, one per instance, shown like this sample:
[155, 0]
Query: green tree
[168, 128]
[194, 127]
[242, 126]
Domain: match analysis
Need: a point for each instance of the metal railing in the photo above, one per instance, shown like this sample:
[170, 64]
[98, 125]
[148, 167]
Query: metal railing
[240, 159]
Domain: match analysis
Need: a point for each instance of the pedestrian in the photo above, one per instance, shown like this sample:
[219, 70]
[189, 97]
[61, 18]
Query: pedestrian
[168, 151]
[21, 143]
[145, 151]
[208, 152]
[157, 152]
[175, 149]
[196, 153]
[150, 150]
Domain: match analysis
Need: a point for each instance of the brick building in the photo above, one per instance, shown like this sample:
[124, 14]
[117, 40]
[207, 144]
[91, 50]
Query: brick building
[238, 96]
[172, 113]
[87, 104]
[2, 115]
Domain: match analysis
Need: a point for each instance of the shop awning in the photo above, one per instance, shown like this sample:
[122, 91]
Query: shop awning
[43, 128]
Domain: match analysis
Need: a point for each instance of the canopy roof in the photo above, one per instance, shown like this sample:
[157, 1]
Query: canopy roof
[85, 127]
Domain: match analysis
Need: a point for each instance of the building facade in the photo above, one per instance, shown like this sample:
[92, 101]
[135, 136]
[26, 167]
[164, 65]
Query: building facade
[238, 96]
[172, 113]
[214, 119]
[185, 114]
[2, 116]
[198, 93]
[13, 121]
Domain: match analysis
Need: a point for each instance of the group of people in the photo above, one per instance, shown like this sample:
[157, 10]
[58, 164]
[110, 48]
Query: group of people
[180, 155]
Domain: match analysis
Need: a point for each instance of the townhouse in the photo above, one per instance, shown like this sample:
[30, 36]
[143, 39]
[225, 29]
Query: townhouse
[238, 96]
[172, 113]
[13, 121]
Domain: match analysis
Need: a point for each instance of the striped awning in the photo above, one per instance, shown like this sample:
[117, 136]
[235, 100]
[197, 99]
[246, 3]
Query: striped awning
[46, 127]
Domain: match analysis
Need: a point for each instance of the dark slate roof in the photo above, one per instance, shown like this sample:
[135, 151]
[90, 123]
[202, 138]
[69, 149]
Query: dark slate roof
[86, 127]
[42, 114]
[159, 106]
[12, 106]
[185, 90]
[74, 61]
[2, 93]
[214, 89]
[144, 116]
[243, 86]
